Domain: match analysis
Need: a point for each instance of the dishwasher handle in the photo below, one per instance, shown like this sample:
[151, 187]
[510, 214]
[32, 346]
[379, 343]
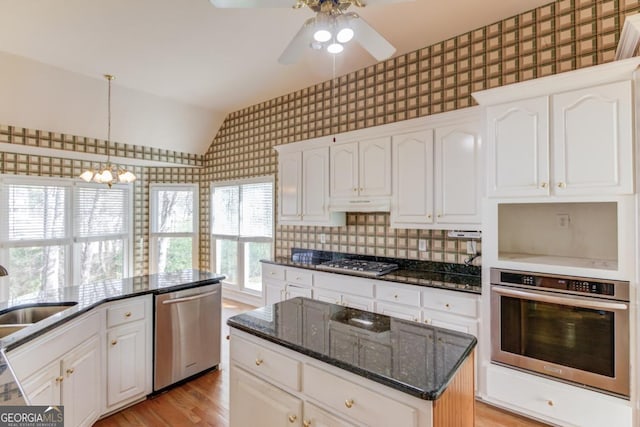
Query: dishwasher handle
[191, 298]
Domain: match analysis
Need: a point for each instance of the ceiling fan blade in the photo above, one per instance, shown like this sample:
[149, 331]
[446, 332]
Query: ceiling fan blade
[252, 3]
[370, 39]
[298, 44]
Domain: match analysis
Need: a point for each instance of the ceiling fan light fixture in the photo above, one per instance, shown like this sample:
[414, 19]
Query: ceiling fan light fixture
[322, 35]
[345, 35]
[335, 48]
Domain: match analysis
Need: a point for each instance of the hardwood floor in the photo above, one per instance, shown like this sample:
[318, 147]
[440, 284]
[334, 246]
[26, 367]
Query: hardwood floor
[205, 400]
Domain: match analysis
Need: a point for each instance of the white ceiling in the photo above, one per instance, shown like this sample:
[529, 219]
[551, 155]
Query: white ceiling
[219, 59]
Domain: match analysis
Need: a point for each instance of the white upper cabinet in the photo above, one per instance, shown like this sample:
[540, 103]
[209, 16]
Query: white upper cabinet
[412, 179]
[593, 140]
[458, 177]
[303, 187]
[518, 148]
[360, 175]
[566, 134]
[437, 175]
[290, 180]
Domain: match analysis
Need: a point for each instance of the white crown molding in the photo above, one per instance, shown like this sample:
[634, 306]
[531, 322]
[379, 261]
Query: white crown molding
[629, 37]
[89, 157]
[562, 82]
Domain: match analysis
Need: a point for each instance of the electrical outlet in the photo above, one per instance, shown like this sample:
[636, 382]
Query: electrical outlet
[563, 220]
[323, 238]
[472, 249]
[422, 245]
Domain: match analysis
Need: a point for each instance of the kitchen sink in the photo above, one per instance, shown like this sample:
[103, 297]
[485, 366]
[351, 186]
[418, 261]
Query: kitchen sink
[25, 315]
[9, 329]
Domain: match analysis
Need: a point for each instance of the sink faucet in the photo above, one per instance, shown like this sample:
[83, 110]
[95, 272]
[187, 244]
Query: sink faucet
[3, 271]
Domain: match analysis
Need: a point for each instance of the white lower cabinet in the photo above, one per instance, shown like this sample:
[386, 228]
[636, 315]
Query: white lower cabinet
[399, 311]
[554, 401]
[128, 343]
[72, 381]
[254, 402]
[274, 386]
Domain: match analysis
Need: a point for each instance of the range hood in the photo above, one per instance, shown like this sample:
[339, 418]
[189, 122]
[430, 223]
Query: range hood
[361, 205]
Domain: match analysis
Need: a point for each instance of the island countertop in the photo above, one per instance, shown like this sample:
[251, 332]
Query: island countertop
[411, 357]
[87, 297]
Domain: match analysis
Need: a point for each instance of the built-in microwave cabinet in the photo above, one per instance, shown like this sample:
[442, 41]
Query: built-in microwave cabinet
[578, 142]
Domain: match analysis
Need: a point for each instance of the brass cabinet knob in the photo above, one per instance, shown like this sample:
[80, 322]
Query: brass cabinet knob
[70, 371]
[396, 296]
[439, 215]
[429, 216]
[127, 314]
[561, 185]
[349, 403]
[447, 305]
[361, 189]
[59, 379]
[292, 418]
[114, 342]
[273, 273]
[543, 185]
[427, 321]
[550, 402]
[355, 189]
[259, 362]
[306, 423]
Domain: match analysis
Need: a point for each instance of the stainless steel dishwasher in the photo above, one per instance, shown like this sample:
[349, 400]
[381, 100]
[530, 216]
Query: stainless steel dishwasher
[187, 334]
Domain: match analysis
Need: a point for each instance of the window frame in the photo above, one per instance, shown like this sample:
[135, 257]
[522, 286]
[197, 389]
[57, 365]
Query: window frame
[69, 241]
[155, 235]
[240, 286]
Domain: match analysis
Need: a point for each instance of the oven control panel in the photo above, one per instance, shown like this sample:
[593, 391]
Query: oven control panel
[584, 286]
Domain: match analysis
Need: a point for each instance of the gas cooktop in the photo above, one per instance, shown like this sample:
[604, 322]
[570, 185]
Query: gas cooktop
[356, 266]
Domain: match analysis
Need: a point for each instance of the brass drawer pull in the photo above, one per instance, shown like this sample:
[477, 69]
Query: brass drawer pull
[127, 314]
[259, 362]
[306, 423]
[59, 379]
[70, 371]
[292, 418]
[114, 342]
[349, 403]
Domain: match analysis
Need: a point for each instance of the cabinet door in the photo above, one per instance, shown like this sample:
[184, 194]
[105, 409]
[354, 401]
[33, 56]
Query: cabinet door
[316, 417]
[458, 166]
[126, 362]
[518, 148]
[254, 402]
[290, 186]
[374, 164]
[451, 321]
[273, 291]
[82, 384]
[44, 386]
[412, 179]
[344, 170]
[315, 184]
[343, 343]
[374, 355]
[593, 140]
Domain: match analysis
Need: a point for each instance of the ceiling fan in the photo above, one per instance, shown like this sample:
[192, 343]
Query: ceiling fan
[330, 29]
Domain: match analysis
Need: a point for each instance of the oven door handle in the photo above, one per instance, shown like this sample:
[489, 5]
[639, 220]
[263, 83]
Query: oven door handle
[553, 299]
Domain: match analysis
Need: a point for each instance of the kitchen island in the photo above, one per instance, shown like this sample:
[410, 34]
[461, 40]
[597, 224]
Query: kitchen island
[305, 362]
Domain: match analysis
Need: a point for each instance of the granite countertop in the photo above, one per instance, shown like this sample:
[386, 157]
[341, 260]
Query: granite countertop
[457, 277]
[412, 357]
[87, 297]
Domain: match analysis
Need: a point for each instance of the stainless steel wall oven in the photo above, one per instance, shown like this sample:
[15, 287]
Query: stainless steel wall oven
[572, 328]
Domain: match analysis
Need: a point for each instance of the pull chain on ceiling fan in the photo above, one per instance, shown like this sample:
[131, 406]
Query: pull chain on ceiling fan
[330, 29]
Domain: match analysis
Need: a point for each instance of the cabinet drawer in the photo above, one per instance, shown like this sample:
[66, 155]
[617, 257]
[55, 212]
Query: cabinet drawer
[345, 284]
[354, 401]
[551, 400]
[125, 312]
[407, 296]
[270, 271]
[451, 302]
[300, 277]
[266, 363]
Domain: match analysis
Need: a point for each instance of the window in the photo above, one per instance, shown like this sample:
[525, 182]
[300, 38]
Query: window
[56, 233]
[174, 219]
[242, 231]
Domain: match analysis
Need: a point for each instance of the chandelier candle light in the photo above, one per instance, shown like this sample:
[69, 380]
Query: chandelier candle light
[109, 174]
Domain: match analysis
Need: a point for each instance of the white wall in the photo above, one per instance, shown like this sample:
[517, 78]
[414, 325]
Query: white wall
[38, 96]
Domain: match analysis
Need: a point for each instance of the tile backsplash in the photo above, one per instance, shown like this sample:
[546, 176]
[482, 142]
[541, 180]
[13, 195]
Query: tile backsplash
[561, 36]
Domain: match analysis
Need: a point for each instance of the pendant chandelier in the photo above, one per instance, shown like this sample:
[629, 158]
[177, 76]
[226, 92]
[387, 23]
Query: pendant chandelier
[109, 174]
